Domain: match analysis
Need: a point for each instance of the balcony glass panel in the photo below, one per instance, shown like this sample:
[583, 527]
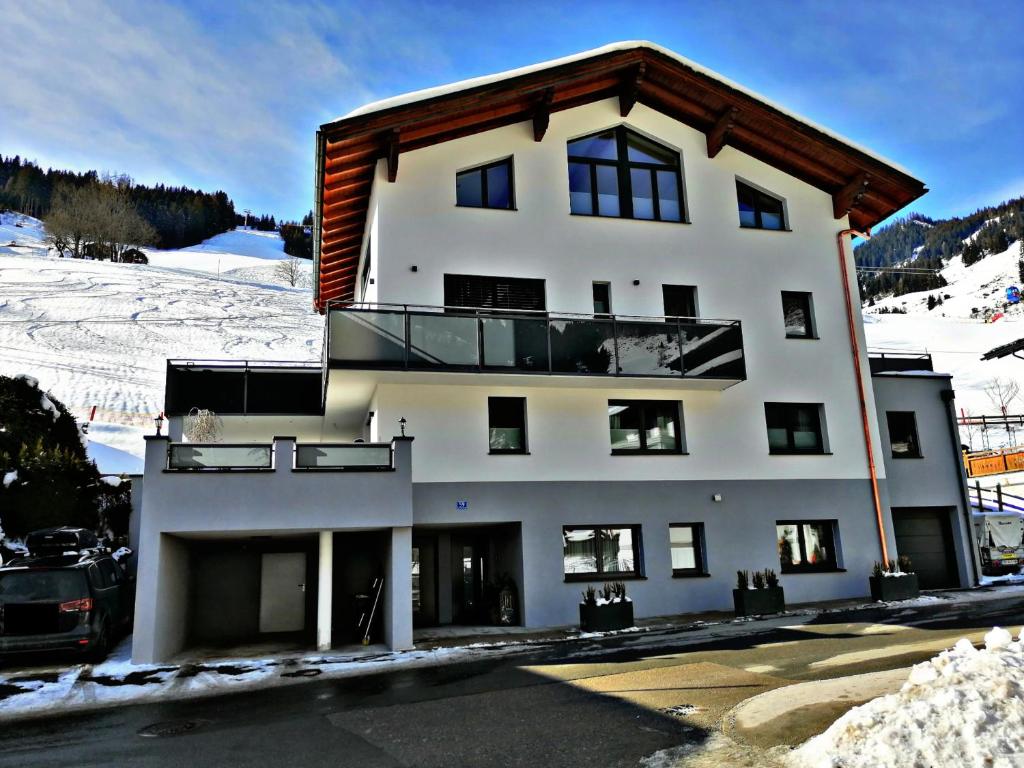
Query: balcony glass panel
[356, 455]
[187, 456]
[443, 340]
[648, 349]
[713, 351]
[582, 346]
[517, 343]
[368, 337]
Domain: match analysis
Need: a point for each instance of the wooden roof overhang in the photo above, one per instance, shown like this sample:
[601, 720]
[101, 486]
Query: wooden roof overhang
[862, 185]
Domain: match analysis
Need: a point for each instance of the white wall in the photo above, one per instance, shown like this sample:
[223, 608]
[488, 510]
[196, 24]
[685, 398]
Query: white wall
[740, 274]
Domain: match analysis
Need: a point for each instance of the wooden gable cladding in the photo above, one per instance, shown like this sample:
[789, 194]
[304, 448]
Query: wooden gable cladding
[866, 188]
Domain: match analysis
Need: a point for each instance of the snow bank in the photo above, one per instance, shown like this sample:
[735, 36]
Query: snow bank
[963, 708]
[10, 477]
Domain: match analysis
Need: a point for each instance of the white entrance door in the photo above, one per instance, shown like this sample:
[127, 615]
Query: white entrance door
[283, 592]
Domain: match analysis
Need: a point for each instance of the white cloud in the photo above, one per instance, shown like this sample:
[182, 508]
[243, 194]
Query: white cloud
[152, 90]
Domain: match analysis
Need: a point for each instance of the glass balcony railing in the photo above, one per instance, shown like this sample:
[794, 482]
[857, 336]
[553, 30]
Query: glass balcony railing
[354, 456]
[449, 339]
[219, 457]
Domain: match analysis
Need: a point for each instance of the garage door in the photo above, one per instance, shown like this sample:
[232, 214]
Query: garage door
[923, 534]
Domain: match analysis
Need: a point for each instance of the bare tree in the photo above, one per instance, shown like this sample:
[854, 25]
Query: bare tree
[291, 271]
[1002, 392]
[99, 213]
[969, 429]
[67, 221]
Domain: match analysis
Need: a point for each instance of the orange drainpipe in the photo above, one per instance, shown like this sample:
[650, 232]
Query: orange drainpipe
[865, 420]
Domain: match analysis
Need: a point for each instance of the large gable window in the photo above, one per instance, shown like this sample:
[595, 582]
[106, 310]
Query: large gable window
[620, 173]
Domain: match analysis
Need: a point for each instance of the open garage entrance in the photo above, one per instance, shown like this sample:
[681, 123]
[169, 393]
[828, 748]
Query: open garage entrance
[924, 534]
[259, 589]
[469, 575]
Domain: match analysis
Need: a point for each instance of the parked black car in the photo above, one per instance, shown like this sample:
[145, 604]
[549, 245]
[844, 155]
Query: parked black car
[64, 597]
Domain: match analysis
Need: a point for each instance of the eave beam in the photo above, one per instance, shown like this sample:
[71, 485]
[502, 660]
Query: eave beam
[847, 198]
[719, 133]
[542, 113]
[391, 155]
[630, 91]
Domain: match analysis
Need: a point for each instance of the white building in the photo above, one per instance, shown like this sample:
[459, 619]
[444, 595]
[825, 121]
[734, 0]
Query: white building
[611, 301]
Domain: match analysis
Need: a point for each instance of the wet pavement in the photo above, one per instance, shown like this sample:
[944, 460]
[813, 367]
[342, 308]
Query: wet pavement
[602, 703]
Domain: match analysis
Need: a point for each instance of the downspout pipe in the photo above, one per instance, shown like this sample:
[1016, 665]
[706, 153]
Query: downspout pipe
[947, 396]
[861, 392]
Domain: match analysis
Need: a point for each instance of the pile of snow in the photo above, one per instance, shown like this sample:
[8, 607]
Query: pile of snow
[10, 478]
[963, 708]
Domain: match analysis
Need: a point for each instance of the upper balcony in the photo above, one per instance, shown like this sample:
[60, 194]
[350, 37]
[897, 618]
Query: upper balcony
[704, 354]
[898, 362]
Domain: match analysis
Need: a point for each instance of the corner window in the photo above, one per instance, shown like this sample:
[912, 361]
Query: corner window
[759, 210]
[621, 174]
[489, 186]
[797, 315]
[903, 434]
[794, 427]
[687, 544]
[506, 417]
[612, 552]
[644, 426]
[806, 545]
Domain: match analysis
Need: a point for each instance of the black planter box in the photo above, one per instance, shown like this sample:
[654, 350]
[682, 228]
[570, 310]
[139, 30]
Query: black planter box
[886, 589]
[758, 602]
[609, 617]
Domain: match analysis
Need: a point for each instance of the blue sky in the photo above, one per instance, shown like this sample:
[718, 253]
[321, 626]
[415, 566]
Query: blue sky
[226, 95]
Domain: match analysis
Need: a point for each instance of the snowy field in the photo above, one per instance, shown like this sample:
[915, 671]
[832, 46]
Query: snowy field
[97, 333]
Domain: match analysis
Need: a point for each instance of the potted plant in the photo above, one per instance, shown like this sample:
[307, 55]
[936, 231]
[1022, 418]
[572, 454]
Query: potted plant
[608, 612]
[766, 596]
[893, 581]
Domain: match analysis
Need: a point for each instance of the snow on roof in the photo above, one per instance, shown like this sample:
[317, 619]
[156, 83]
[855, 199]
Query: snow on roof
[625, 45]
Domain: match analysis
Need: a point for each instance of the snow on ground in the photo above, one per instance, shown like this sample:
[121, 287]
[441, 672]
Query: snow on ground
[97, 334]
[965, 708]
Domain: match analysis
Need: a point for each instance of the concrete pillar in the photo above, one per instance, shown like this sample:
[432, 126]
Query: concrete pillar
[398, 590]
[325, 591]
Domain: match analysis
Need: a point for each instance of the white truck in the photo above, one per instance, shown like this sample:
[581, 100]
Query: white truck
[1000, 538]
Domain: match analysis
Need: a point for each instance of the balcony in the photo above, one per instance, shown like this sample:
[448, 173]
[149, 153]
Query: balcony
[898, 362]
[448, 339]
[257, 457]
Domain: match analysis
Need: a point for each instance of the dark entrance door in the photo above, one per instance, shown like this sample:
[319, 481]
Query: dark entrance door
[923, 534]
[469, 572]
[424, 581]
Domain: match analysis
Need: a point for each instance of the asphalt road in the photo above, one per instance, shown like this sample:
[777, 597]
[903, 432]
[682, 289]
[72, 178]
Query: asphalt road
[593, 705]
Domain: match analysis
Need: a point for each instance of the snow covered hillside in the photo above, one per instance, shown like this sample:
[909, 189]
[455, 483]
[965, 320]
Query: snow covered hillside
[960, 329]
[97, 333]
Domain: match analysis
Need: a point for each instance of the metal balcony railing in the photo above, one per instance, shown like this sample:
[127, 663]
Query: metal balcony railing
[466, 339]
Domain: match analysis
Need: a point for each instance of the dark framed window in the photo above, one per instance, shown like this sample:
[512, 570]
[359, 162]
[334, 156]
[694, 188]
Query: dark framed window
[500, 293]
[686, 541]
[607, 551]
[903, 434]
[487, 186]
[798, 315]
[645, 426]
[794, 427]
[806, 545]
[679, 300]
[602, 299]
[622, 174]
[367, 263]
[506, 424]
[759, 210]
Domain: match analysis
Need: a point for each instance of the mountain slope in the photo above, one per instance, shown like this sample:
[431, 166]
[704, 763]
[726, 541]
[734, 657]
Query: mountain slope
[97, 333]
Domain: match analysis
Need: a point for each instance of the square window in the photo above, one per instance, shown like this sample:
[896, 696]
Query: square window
[797, 315]
[679, 300]
[644, 426]
[612, 551]
[759, 210]
[489, 186]
[903, 434]
[794, 428]
[806, 545]
[686, 541]
[506, 418]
